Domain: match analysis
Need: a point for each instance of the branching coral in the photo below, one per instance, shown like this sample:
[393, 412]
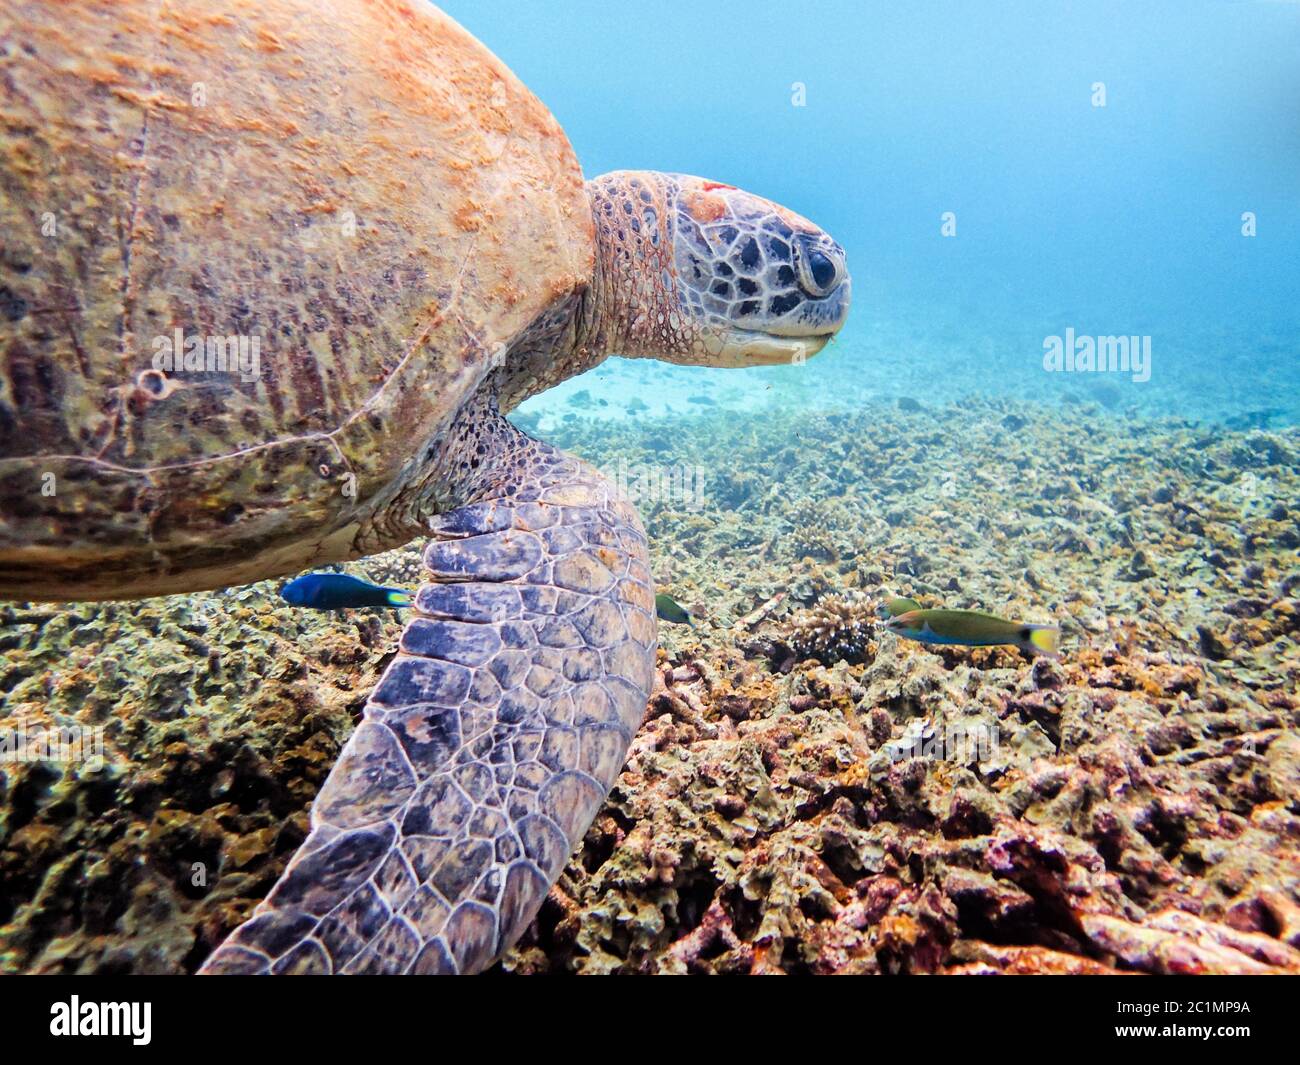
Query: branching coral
[836, 628]
[814, 524]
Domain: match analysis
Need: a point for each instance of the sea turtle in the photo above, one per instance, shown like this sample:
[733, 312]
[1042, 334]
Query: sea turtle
[271, 273]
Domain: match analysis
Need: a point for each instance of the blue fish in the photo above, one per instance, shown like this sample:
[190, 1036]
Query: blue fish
[338, 591]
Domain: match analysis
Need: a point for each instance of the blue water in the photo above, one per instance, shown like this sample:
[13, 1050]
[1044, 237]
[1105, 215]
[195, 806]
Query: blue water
[1122, 219]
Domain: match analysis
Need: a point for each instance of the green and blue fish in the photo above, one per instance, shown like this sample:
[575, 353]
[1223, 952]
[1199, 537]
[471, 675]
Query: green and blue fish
[968, 628]
[892, 608]
[669, 609]
[338, 591]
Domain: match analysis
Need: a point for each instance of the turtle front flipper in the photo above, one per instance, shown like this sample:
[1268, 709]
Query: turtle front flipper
[490, 741]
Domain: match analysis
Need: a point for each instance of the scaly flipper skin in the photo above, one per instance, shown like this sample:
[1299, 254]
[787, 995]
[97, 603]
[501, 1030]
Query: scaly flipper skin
[490, 741]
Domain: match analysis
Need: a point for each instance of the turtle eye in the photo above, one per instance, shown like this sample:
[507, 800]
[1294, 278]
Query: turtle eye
[819, 273]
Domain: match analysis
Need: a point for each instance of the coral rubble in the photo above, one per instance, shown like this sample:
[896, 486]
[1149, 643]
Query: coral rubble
[806, 794]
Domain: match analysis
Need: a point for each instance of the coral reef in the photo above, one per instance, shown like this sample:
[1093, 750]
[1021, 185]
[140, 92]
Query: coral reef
[815, 528]
[221, 716]
[1132, 807]
[758, 828]
[837, 628]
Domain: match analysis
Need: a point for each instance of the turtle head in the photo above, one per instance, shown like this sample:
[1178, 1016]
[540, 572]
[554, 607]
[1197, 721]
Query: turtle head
[695, 271]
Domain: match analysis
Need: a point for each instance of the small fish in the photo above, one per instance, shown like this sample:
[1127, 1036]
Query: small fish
[971, 629]
[669, 609]
[336, 591]
[891, 608]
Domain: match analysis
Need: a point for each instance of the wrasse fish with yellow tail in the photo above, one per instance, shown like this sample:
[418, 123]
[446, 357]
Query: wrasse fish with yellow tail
[338, 591]
[971, 629]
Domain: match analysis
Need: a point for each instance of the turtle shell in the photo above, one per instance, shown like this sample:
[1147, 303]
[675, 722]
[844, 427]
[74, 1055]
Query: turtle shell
[255, 257]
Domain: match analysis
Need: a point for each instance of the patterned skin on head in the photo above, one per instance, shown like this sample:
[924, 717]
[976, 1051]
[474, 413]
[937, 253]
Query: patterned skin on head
[695, 271]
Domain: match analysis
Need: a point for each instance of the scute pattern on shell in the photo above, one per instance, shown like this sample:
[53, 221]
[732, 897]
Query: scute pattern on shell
[372, 195]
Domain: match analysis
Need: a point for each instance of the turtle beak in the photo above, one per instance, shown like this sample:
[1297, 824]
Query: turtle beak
[789, 341]
[822, 317]
[740, 347]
